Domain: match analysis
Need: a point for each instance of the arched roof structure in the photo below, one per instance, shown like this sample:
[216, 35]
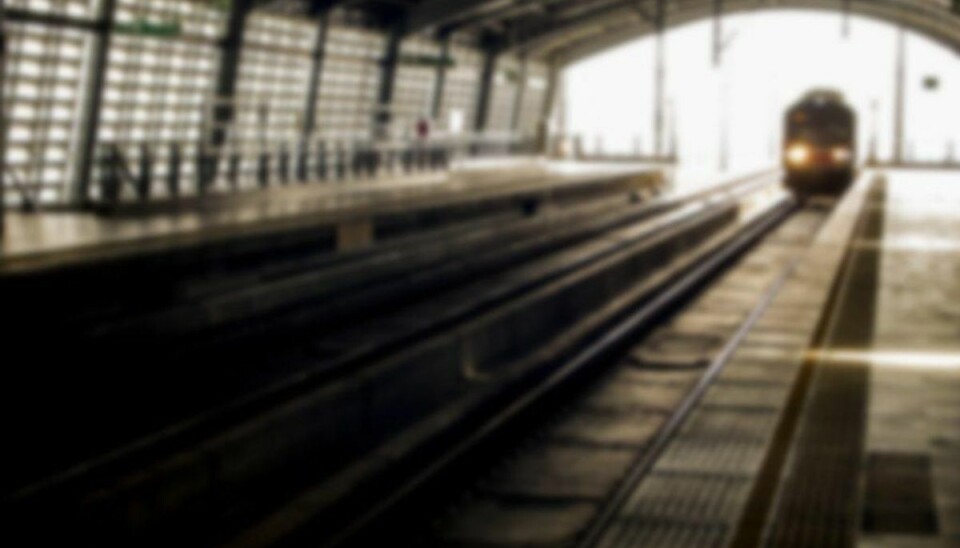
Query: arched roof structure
[564, 31]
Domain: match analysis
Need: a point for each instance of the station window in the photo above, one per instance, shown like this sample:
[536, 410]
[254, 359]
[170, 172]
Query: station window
[460, 90]
[163, 62]
[534, 96]
[415, 84]
[504, 93]
[79, 9]
[349, 81]
[271, 92]
[42, 88]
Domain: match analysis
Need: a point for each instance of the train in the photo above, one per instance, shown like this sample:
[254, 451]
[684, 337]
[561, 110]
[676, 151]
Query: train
[819, 145]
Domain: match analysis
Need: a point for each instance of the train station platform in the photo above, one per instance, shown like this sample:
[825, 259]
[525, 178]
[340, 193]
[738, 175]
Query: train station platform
[837, 421]
[351, 209]
[802, 390]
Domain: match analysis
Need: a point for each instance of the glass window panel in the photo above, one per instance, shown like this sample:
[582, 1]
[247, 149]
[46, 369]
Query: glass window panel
[460, 90]
[349, 83]
[504, 93]
[42, 89]
[158, 89]
[415, 83]
[272, 89]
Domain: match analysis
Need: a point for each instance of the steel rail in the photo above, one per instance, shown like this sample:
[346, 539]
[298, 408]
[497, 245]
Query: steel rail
[648, 456]
[190, 431]
[594, 353]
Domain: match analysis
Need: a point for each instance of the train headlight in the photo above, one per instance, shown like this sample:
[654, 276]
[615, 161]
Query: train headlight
[798, 155]
[841, 155]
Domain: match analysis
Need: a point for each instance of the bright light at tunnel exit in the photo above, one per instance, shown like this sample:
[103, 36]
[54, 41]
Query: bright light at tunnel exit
[772, 59]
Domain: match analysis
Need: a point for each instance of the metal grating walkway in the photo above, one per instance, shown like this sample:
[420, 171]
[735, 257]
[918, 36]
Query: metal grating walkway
[699, 488]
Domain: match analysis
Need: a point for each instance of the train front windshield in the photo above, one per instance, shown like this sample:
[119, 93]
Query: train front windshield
[819, 147]
[820, 128]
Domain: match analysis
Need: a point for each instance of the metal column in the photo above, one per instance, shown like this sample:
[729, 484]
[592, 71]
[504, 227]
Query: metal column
[93, 99]
[550, 96]
[3, 116]
[560, 100]
[226, 85]
[440, 84]
[845, 27]
[388, 77]
[316, 73]
[518, 100]
[723, 148]
[899, 97]
[486, 88]
[546, 109]
[717, 32]
[658, 79]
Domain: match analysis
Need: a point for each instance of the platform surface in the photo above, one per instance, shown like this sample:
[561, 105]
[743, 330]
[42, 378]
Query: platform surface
[852, 435]
[53, 237]
[45, 234]
[913, 421]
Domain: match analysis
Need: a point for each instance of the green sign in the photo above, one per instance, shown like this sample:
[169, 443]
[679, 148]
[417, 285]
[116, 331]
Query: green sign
[512, 75]
[427, 60]
[142, 27]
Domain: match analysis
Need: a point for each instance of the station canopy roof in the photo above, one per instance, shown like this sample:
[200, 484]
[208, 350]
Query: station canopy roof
[566, 30]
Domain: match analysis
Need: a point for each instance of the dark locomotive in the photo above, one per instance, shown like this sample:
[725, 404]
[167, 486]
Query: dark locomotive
[819, 152]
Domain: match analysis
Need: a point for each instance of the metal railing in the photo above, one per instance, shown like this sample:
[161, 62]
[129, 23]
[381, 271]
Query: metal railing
[144, 172]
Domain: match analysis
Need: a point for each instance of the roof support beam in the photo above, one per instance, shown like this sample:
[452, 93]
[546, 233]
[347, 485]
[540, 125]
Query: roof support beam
[927, 19]
[503, 12]
[717, 32]
[314, 7]
[3, 117]
[436, 13]
[846, 18]
[321, 7]
[231, 51]
[20, 15]
[486, 89]
[529, 39]
[659, 21]
[92, 101]
[518, 100]
[899, 97]
[316, 73]
[440, 82]
[388, 77]
[550, 96]
[645, 13]
[546, 109]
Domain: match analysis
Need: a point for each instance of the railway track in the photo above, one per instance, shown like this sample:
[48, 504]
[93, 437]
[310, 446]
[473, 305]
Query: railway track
[213, 344]
[557, 464]
[354, 402]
